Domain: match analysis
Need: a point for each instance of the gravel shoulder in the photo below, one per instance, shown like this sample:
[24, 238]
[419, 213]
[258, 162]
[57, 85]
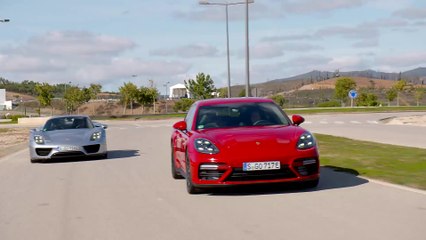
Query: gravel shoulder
[13, 140]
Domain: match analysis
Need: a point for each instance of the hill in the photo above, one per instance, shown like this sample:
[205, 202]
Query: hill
[361, 82]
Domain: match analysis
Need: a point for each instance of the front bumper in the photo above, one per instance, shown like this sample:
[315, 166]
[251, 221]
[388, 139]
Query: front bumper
[298, 168]
[46, 152]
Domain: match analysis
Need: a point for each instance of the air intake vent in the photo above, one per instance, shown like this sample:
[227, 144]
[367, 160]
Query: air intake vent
[43, 151]
[92, 148]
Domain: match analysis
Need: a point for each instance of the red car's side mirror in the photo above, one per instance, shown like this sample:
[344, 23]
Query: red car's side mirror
[297, 119]
[181, 125]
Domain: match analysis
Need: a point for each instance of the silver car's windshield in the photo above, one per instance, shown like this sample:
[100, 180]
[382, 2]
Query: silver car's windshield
[240, 115]
[64, 123]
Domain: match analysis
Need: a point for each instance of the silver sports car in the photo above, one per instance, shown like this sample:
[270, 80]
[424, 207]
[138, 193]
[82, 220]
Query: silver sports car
[68, 137]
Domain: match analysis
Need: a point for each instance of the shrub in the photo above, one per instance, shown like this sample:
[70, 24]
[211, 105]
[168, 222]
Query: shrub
[333, 103]
[183, 105]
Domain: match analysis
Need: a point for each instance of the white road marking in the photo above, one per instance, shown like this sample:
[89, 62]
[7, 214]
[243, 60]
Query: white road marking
[355, 122]
[372, 122]
[339, 122]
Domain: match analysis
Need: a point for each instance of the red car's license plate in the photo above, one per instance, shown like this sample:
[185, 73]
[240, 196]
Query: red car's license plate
[258, 166]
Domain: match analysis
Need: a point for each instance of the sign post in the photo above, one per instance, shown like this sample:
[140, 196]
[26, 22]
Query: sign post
[352, 95]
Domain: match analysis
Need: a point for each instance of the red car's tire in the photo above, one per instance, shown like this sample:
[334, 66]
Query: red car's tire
[175, 173]
[189, 184]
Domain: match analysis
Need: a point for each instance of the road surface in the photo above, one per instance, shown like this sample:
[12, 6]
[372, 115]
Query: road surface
[369, 127]
[131, 195]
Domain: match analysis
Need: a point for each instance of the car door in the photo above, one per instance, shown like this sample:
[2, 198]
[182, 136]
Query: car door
[182, 138]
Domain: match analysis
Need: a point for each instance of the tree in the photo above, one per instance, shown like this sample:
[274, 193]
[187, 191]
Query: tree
[419, 94]
[242, 93]
[95, 89]
[129, 93]
[279, 99]
[45, 95]
[147, 96]
[367, 99]
[342, 88]
[202, 87]
[223, 92]
[183, 104]
[399, 87]
[74, 97]
[391, 95]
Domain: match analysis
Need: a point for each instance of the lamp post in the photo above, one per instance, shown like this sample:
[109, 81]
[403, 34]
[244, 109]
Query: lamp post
[165, 85]
[247, 51]
[5, 20]
[226, 4]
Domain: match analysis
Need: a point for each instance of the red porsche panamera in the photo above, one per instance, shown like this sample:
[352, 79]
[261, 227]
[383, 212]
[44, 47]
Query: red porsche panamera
[240, 141]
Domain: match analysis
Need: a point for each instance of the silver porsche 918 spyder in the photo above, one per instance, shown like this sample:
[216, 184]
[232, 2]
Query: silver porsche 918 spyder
[68, 137]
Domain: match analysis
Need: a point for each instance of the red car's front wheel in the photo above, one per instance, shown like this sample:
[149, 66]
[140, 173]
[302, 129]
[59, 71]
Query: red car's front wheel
[189, 184]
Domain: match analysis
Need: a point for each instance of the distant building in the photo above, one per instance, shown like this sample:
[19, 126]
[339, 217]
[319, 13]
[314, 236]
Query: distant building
[179, 91]
[4, 105]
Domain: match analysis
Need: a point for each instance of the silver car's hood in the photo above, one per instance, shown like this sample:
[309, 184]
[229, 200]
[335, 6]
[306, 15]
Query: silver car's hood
[72, 136]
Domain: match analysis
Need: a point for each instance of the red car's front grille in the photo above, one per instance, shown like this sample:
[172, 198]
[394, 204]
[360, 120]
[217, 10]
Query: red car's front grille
[210, 174]
[239, 175]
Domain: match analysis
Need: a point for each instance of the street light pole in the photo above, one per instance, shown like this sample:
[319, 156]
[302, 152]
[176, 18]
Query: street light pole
[247, 51]
[227, 52]
[5, 20]
[226, 4]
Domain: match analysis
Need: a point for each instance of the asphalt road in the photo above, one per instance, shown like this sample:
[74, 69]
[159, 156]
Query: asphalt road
[369, 127]
[131, 195]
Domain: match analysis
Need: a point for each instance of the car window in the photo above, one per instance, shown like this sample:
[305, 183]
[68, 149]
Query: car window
[240, 115]
[189, 119]
[67, 123]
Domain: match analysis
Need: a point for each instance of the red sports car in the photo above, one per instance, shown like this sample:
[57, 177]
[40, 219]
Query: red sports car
[238, 141]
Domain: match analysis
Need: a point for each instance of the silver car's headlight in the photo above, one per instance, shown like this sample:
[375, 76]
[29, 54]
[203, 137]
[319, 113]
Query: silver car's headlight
[96, 136]
[306, 140]
[205, 146]
[38, 139]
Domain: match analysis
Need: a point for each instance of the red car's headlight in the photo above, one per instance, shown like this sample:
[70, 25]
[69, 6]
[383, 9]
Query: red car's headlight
[205, 146]
[306, 140]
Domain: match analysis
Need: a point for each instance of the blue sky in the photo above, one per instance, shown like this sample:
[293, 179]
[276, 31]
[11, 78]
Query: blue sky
[107, 42]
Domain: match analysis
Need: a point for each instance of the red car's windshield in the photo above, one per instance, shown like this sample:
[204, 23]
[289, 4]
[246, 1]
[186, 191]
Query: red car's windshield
[240, 115]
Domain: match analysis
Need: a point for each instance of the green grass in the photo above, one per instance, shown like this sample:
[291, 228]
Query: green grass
[395, 164]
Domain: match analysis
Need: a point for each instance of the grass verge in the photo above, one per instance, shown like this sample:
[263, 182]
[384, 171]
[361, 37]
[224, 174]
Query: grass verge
[390, 163]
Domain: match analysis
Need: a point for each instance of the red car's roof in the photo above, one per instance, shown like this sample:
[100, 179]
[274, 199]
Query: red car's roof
[216, 101]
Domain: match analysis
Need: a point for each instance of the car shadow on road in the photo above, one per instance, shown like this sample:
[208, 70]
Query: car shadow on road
[331, 178]
[112, 155]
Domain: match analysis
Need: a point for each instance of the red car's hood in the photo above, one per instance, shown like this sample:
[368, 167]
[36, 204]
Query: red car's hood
[263, 143]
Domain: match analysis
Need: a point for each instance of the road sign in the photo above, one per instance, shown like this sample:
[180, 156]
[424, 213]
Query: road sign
[353, 94]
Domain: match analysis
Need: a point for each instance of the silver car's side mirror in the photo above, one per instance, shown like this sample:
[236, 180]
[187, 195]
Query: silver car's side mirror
[96, 124]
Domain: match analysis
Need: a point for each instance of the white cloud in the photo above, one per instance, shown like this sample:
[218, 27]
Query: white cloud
[357, 32]
[265, 50]
[75, 43]
[409, 59]
[315, 6]
[293, 37]
[188, 51]
[82, 58]
[411, 13]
